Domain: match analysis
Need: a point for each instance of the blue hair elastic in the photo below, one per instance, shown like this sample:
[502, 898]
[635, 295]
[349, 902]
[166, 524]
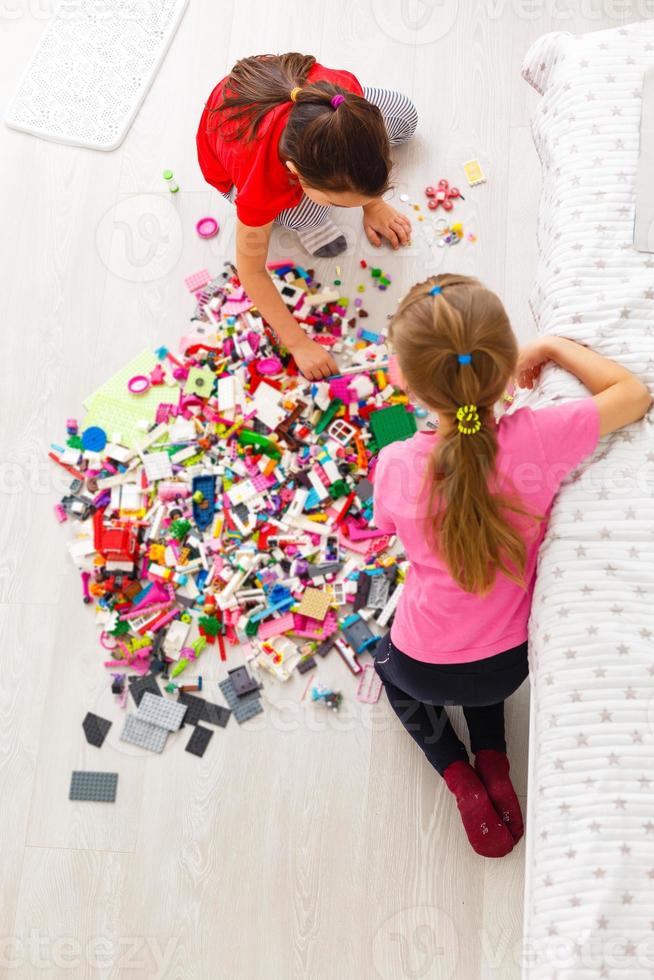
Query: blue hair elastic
[435, 290]
[464, 358]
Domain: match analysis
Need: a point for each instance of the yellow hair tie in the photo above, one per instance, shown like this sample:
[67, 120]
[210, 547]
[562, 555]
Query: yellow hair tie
[294, 92]
[468, 420]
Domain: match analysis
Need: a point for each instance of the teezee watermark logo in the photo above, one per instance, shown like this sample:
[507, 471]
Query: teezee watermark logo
[415, 21]
[416, 943]
[140, 238]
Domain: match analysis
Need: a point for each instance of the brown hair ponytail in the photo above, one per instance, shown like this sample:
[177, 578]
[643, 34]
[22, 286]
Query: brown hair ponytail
[467, 524]
[343, 149]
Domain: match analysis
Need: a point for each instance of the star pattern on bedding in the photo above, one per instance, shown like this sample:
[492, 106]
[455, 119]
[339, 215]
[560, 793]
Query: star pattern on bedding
[592, 626]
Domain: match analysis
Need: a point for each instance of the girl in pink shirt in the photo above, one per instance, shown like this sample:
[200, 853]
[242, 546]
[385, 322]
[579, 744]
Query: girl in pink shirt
[470, 504]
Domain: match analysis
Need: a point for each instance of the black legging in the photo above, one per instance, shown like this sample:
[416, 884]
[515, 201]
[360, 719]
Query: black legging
[418, 693]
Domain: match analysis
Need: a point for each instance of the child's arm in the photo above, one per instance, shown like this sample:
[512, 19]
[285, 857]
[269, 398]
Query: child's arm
[620, 396]
[251, 253]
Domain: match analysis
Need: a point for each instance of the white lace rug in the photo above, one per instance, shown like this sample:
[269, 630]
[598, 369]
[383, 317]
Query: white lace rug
[92, 69]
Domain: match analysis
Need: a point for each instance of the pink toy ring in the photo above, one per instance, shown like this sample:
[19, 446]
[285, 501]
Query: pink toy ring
[207, 227]
[107, 641]
[269, 365]
[138, 385]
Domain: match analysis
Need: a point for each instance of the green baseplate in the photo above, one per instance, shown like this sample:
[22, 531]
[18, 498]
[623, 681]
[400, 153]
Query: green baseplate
[392, 425]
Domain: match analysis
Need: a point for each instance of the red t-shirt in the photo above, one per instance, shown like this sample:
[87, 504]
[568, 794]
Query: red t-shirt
[264, 185]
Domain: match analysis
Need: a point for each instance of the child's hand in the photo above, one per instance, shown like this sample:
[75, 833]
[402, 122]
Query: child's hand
[313, 361]
[531, 361]
[380, 220]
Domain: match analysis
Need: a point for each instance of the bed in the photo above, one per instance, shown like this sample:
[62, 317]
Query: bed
[589, 890]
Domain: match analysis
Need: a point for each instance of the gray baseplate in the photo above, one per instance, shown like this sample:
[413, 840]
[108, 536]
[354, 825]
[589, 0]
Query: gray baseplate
[98, 786]
[242, 708]
[144, 734]
[161, 711]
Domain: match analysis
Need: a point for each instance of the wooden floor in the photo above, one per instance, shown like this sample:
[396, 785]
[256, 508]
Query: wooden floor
[304, 845]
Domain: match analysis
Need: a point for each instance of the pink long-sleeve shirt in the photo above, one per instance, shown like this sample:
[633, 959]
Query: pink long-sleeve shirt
[436, 621]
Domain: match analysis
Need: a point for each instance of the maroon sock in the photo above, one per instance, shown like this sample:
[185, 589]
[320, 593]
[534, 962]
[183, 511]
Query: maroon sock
[486, 832]
[493, 769]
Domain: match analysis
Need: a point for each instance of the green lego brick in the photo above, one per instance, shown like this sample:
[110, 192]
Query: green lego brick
[392, 425]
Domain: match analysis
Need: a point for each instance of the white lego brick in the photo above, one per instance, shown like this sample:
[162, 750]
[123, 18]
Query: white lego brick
[175, 638]
[331, 470]
[226, 393]
[150, 438]
[182, 430]
[120, 453]
[183, 454]
[391, 605]
[71, 456]
[157, 466]
[296, 505]
[318, 485]
[268, 408]
[242, 493]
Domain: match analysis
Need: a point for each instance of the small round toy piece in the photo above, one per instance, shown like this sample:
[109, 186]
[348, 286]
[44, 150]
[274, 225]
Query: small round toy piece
[207, 227]
[430, 192]
[94, 439]
[138, 385]
[269, 365]
[171, 183]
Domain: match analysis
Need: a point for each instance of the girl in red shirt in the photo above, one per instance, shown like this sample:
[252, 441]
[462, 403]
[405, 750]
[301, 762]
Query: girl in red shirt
[285, 138]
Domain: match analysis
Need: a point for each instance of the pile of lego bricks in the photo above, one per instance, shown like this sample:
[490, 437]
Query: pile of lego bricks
[242, 513]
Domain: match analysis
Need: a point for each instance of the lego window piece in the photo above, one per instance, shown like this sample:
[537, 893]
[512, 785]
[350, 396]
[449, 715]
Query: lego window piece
[199, 740]
[392, 425]
[337, 593]
[142, 733]
[95, 728]
[243, 708]
[315, 604]
[98, 786]
[341, 432]
[161, 712]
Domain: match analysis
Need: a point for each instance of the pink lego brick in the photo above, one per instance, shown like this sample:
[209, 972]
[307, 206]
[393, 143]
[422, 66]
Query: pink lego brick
[357, 533]
[197, 280]
[369, 687]
[368, 547]
[275, 627]
[164, 411]
[340, 388]
[261, 482]
[313, 628]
